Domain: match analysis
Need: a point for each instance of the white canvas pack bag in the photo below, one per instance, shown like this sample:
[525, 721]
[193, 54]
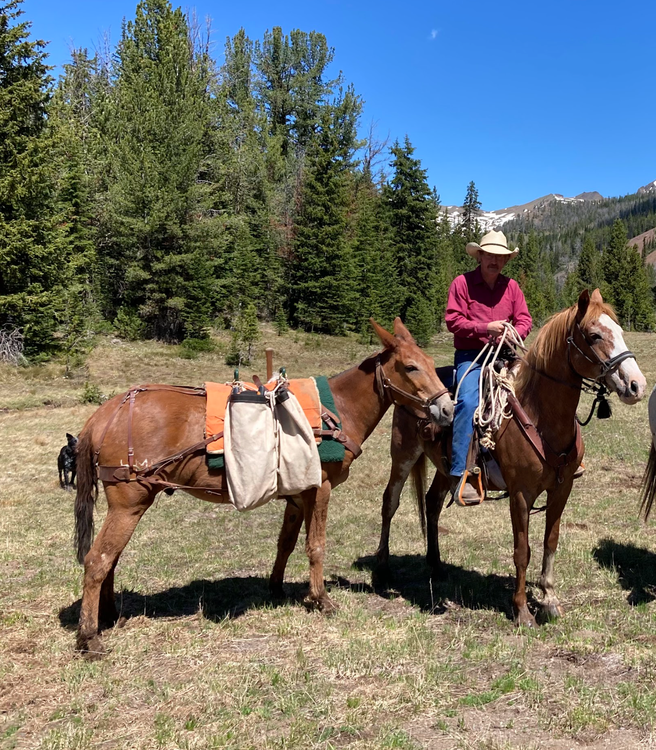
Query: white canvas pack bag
[251, 450]
[299, 465]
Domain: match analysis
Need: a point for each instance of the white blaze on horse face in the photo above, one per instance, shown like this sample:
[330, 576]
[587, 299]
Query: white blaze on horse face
[627, 380]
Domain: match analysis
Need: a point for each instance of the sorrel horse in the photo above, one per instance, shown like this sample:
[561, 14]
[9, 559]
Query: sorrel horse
[583, 341]
[164, 421]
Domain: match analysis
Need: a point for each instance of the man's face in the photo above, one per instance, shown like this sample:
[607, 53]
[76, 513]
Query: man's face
[491, 264]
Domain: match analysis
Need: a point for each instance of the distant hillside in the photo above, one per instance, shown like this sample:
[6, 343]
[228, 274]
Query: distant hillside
[561, 225]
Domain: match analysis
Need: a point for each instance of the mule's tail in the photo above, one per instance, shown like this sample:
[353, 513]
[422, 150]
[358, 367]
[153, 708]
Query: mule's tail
[419, 483]
[87, 494]
[648, 484]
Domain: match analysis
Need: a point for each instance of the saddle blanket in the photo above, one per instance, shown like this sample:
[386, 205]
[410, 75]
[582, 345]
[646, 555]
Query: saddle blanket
[311, 394]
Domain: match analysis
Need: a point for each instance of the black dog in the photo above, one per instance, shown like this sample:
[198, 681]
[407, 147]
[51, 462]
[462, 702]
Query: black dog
[67, 463]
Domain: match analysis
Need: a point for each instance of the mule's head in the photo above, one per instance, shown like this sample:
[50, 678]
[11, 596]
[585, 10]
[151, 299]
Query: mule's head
[600, 352]
[411, 375]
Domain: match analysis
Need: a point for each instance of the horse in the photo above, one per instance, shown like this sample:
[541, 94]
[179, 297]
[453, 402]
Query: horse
[582, 342]
[127, 432]
[648, 484]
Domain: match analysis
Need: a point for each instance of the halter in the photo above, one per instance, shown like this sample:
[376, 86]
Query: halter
[383, 383]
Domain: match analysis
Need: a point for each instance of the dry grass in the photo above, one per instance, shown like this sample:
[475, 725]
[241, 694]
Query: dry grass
[206, 660]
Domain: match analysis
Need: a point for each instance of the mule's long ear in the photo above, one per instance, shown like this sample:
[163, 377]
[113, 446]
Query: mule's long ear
[388, 341]
[596, 297]
[401, 332]
[584, 301]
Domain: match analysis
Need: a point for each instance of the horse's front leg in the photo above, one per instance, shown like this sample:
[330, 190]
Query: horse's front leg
[556, 500]
[519, 513]
[291, 525]
[315, 506]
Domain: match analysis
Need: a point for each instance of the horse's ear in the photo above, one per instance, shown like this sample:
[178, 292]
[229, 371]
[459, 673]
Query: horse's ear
[386, 338]
[584, 301]
[596, 297]
[401, 332]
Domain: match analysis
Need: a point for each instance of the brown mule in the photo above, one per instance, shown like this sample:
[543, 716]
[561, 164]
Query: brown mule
[166, 422]
[583, 341]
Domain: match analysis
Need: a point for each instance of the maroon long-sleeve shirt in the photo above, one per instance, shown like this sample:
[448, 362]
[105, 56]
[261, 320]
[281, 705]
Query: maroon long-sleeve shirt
[472, 305]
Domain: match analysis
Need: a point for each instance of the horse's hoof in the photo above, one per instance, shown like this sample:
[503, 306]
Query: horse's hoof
[524, 618]
[92, 648]
[381, 577]
[551, 612]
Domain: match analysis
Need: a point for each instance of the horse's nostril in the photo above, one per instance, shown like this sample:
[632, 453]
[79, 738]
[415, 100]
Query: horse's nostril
[635, 387]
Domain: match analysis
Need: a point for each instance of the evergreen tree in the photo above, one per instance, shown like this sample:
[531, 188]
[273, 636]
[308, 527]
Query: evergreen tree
[158, 259]
[31, 287]
[413, 217]
[613, 260]
[470, 228]
[589, 271]
[321, 272]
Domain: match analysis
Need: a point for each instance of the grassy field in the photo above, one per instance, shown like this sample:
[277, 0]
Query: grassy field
[207, 660]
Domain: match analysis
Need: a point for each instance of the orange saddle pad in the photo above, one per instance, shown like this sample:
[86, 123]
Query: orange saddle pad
[305, 390]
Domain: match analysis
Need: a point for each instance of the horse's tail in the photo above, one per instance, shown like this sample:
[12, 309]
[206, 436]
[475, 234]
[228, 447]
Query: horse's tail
[648, 484]
[87, 493]
[419, 482]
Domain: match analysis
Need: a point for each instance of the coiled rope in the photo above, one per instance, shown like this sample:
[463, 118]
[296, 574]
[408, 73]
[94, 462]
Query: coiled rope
[495, 386]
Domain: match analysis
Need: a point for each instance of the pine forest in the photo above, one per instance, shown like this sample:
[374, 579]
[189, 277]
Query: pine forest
[151, 193]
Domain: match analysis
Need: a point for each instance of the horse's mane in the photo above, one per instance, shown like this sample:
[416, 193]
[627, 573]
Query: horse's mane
[550, 339]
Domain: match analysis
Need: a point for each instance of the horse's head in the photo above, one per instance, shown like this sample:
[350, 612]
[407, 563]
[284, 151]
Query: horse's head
[598, 350]
[408, 375]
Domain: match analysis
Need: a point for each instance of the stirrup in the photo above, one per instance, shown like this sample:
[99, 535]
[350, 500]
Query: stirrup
[461, 487]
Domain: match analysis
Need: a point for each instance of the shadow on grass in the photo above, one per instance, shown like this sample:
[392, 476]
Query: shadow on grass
[410, 578]
[635, 567]
[218, 600]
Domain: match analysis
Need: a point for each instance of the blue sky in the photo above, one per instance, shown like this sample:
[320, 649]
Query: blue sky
[523, 98]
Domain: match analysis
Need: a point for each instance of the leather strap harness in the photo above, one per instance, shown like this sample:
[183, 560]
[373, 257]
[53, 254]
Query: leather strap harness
[150, 474]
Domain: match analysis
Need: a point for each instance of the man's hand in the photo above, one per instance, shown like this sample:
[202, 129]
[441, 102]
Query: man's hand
[495, 328]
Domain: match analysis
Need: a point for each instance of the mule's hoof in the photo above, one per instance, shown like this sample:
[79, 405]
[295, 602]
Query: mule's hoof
[92, 648]
[323, 604]
[276, 590]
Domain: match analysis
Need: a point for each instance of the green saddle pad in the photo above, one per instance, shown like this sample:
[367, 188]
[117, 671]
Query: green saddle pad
[330, 451]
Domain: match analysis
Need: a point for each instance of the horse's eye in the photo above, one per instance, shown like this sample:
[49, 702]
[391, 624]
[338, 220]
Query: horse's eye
[411, 368]
[596, 336]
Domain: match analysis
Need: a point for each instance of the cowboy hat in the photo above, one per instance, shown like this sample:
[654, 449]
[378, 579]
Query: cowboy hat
[493, 242]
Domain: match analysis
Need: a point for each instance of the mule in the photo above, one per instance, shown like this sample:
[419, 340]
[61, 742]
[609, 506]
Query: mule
[163, 421]
[581, 342]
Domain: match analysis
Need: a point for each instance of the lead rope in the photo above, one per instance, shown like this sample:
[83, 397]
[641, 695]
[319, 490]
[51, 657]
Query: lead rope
[495, 386]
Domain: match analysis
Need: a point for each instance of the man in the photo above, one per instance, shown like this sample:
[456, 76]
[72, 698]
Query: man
[478, 305]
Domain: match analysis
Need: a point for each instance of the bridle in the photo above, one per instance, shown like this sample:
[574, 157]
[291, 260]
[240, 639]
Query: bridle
[385, 387]
[590, 385]
[607, 366]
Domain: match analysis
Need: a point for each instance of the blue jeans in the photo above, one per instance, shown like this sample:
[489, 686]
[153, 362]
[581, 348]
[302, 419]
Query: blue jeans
[463, 417]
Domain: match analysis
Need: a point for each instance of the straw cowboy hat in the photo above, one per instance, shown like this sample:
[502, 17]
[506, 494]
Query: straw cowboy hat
[493, 242]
